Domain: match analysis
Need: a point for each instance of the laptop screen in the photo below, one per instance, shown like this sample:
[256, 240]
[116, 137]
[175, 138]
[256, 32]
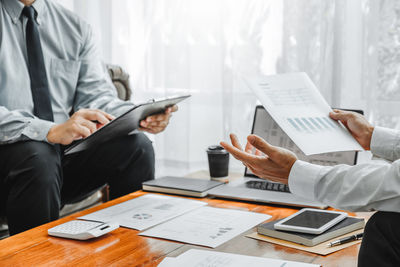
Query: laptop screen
[265, 127]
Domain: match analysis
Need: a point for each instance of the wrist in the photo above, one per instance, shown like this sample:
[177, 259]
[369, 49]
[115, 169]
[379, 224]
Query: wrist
[370, 131]
[51, 134]
[303, 178]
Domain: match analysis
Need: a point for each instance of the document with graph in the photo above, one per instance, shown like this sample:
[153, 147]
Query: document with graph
[207, 226]
[300, 110]
[144, 212]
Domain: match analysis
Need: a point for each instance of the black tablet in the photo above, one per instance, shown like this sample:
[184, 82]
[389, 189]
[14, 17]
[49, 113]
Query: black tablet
[124, 124]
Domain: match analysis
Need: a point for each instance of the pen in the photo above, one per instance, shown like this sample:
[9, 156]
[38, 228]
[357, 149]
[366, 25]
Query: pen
[346, 239]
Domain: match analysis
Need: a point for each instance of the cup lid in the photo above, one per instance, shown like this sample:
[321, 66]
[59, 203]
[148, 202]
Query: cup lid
[216, 149]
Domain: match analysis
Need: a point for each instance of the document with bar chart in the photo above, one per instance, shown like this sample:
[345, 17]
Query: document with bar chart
[299, 109]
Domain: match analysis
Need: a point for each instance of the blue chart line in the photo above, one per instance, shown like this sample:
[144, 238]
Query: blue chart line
[301, 124]
[294, 124]
[330, 122]
[315, 123]
[306, 122]
[322, 123]
[312, 125]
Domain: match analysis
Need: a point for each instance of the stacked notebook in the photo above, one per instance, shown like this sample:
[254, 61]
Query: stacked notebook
[180, 186]
[346, 226]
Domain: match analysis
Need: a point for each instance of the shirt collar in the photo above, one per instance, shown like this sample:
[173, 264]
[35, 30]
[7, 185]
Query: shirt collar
[38, 5]
[14, 9]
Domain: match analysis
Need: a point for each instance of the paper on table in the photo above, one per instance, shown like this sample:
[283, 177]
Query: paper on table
[168, 262]
[207, 226]
[297, 106]
[145, 211]
[204, 258]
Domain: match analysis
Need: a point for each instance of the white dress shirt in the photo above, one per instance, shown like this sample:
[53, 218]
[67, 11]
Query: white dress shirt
[365, 187]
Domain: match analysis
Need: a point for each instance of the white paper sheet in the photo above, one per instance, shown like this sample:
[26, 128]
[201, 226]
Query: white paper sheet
[205, 258]
[168, 262]
[207, 226]
[297, 106]
[266, 127]
[145, 211]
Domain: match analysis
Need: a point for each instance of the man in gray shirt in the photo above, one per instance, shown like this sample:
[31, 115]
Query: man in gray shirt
[51, 68]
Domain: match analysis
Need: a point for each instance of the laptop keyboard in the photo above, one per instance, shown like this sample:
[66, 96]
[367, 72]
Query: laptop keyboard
[265, 185]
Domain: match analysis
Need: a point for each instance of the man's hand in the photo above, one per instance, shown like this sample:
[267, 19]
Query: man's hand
[264, 160]
[81, 124]
[157, 123]
[358, 126]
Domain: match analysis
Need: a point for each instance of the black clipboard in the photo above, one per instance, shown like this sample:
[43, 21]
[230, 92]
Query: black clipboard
[124, 124]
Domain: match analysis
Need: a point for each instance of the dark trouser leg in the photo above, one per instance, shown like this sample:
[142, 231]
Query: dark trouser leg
[381, 241]
[124, 163]
[30, 176]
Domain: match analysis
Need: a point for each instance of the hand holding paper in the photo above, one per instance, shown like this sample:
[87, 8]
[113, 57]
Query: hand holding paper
[358, 126]
[299, 109]
[157, 123]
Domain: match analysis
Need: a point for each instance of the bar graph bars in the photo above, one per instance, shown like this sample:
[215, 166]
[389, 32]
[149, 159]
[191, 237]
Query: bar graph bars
[312, 124]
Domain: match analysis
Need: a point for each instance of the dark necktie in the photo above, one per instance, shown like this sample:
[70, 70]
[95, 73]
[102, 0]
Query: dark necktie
[37, 70]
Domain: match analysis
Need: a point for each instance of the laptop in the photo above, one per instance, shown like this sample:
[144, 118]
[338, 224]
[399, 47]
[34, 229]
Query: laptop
[252, 188]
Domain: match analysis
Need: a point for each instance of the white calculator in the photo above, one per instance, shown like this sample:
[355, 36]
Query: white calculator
[82, 230]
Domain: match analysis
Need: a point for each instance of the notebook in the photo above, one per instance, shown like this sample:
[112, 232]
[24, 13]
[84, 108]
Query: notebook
[180, 186]
[347, 225]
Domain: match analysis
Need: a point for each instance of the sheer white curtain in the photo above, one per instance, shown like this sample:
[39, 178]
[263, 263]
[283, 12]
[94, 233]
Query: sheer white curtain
[350, 49]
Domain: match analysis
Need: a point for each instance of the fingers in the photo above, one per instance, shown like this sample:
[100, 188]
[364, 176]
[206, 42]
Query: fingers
[156, 120]
[94, 115]
[91, 126]
[157, 123]
[238, 154]
[249, 148]
[261, 145]
[174, 108]
[153, 127]
[154, 124]
[108, 116]
[235, 141]
[79, 131]
[86, 121]
[341, 115]
[162, 116]
[153, 130]
[157, 117]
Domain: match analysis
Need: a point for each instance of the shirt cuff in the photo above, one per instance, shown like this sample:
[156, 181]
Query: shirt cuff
[384, 141]
[303, 177]
[38, 129]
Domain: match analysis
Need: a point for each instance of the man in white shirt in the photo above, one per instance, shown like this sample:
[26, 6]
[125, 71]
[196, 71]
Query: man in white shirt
[365, 187]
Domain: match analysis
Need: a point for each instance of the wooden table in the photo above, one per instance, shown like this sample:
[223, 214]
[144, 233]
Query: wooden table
[123, 247]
